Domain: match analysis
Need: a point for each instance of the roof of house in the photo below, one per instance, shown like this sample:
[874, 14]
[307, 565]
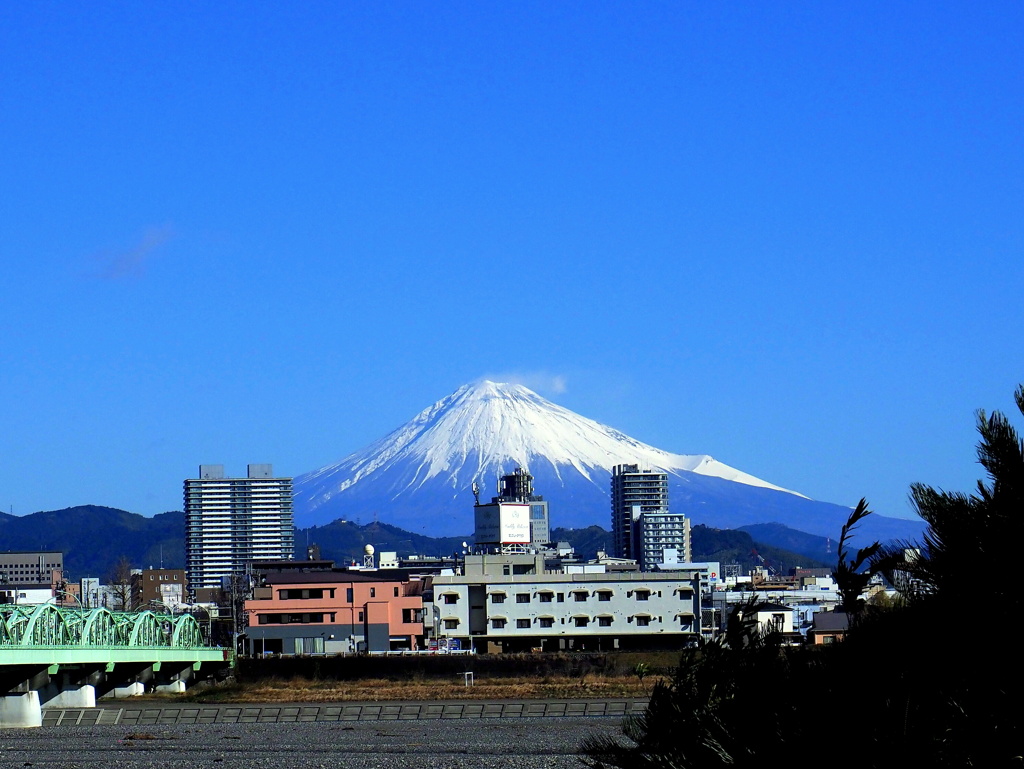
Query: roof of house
[772, 607]
[830, 621]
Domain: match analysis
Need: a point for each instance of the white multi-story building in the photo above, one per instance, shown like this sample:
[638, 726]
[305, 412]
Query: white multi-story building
[511, 602]
[634, 493]
[232, 521]
[662, 540]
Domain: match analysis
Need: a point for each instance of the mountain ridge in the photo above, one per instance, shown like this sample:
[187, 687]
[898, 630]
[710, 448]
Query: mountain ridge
[419, 476]
[93, 538]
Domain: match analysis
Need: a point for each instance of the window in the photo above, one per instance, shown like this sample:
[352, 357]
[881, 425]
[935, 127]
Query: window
[523, 624]
[298, 595]
[604, 621]
[547, 621]
[506, 570]
[604, 595]
[580, 621]
[561, 597]
[348, 594]
[451, 624]
[498, 623]
[450, 598]
[643, 621]
[373, 592]
[522, 597]
[642, 595]
[544, 597]
[497, 598]
[412, 615]
[360, 616]
[579, 597]
[396, 592]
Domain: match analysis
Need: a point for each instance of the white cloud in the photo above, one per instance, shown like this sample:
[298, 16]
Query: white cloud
[131, 262]
[544, 382]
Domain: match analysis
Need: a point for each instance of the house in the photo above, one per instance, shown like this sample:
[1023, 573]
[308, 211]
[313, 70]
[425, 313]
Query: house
[775, 618]
[828, 627]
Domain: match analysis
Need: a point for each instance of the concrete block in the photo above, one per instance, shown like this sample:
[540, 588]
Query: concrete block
[83, 696]
[19, 711]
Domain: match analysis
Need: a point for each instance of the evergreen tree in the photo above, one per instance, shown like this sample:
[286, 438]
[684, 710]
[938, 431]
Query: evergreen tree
[931, 680]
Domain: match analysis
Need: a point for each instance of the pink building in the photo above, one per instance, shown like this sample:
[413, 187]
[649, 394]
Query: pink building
[334, 612]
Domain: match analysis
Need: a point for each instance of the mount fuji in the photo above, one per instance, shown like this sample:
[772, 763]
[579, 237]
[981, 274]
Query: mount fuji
[420, 476]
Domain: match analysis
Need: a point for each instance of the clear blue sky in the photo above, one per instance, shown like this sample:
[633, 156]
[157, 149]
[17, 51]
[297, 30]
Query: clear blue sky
[786, 235]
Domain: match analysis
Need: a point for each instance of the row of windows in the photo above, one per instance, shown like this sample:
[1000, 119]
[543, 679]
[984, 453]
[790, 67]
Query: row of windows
[313, 618]
[579, 596]
[499, 623]
[298, 619]
[306, 594]
[301, 594]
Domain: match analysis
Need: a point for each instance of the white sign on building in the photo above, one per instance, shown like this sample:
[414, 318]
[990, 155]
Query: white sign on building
[504, 523]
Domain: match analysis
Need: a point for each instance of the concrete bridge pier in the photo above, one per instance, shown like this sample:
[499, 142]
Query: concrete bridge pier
[173, 678]
[126, 679]
[72, 687]
[20, 710]
[68, 696]
[19, 700]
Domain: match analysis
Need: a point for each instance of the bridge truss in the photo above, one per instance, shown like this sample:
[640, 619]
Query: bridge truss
[47, 625]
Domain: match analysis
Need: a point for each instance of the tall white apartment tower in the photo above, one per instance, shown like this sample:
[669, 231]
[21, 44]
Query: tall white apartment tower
[231, 521]
[633, 494]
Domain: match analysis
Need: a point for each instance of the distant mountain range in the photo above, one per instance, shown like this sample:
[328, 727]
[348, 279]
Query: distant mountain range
[94, 538]
[420, 476]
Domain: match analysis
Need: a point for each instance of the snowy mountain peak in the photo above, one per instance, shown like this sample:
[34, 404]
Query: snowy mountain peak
[475, 434]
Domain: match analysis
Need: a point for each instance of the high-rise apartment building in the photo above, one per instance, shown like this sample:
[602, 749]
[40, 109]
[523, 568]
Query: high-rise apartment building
[633, 494]
[662, 540]
[232, 521]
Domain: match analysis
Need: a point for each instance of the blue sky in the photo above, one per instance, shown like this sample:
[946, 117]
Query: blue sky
[786, 235]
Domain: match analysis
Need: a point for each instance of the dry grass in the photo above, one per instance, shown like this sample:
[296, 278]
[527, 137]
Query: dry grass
[303, 690]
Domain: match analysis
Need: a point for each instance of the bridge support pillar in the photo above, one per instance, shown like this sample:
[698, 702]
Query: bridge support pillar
[174, 687]
[69, 696]
[20, 710]
[133, 689]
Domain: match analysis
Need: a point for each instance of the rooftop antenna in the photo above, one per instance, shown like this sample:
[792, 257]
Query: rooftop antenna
[476, 492]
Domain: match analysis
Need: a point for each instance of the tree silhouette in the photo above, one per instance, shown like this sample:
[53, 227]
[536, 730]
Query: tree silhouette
[933, 679]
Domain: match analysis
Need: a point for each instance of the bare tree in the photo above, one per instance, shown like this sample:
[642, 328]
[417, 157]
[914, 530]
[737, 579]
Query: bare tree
[120, 581]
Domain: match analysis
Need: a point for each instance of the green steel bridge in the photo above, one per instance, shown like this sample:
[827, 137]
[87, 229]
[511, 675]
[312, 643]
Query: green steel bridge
[59, 656]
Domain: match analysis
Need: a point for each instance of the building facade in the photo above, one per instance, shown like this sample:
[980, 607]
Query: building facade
[334, 612]
[163, 587]
[634, 493]
[515, 507]
[513, 603]
[662, 540]
[29, 567]
[230, 522]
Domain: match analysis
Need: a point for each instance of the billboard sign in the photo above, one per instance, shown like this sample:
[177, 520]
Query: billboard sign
[502, 523]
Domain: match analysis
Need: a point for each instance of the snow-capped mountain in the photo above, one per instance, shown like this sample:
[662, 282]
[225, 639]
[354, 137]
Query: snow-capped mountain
[420, 476]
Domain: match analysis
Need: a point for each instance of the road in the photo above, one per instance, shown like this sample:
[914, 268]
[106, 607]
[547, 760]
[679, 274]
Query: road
[441, 744]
